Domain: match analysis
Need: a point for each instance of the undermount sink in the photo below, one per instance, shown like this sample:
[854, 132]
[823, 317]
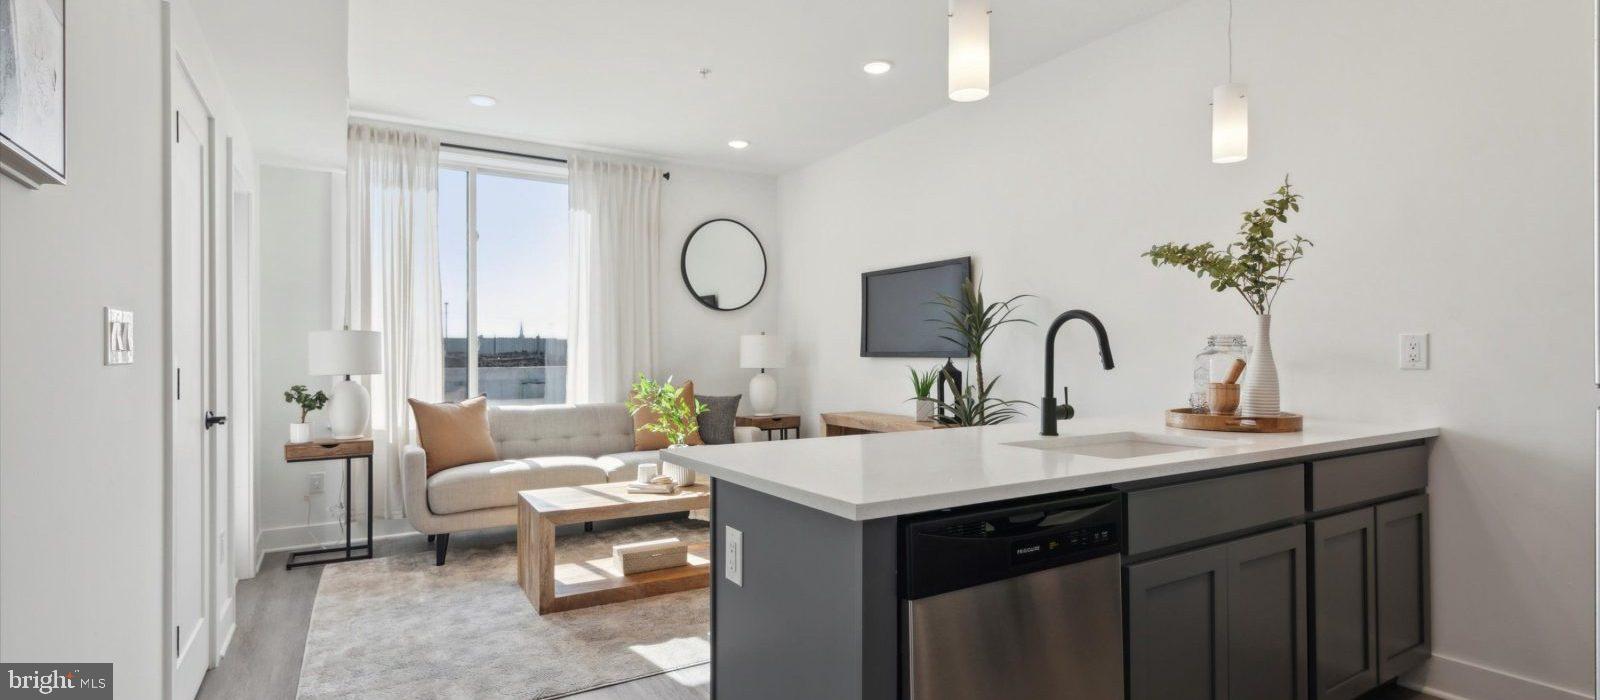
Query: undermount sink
[1123, 445]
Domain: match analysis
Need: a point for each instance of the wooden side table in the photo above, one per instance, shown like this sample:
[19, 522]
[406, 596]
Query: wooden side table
[349, 451]
[781, 422]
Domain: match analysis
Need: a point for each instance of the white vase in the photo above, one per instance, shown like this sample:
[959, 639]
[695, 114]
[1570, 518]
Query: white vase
[925, 409]
[1259, 395]
[299, 432]
[683, 475]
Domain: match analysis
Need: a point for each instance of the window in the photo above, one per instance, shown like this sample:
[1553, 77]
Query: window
[505, 290]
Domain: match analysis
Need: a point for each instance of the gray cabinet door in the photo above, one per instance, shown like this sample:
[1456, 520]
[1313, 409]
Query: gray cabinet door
[1266, 583]
[1402, 553]
[1344, 607]
[1177, 627]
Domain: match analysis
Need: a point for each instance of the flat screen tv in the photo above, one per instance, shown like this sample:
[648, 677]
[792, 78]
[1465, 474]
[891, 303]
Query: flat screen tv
[899, 308]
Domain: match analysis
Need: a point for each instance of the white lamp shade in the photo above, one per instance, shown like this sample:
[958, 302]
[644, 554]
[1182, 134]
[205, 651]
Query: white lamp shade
[1230, 123]
[969, 50]
[334, 353]
[760, 352]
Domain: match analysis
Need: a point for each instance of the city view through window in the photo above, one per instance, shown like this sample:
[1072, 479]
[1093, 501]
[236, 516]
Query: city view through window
[519, 270]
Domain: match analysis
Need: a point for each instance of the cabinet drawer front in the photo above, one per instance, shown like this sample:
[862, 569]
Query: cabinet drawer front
[1367, 477]
[1172, 515]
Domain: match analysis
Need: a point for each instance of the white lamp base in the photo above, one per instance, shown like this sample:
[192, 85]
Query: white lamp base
[349, 409]
[763, 394]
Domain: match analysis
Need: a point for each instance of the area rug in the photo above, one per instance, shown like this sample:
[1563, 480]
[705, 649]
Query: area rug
[401, 627]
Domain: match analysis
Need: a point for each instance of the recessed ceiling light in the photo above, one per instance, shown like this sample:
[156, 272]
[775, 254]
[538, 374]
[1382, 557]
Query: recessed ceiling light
[739, 144]
[482, 100]
[877, 67]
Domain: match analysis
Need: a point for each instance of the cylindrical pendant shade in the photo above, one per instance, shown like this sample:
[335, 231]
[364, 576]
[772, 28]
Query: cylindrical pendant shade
[335, 353]
[1230, 123]
[969, 50]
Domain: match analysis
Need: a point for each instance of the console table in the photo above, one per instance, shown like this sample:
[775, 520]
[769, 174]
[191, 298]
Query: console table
[863, 422]
[349, 451]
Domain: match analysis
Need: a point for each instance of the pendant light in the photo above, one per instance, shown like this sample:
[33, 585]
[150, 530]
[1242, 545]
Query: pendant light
[969, 50]
[1230, 113]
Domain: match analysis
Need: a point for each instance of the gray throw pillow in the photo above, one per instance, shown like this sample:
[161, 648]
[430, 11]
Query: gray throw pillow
[716, 424]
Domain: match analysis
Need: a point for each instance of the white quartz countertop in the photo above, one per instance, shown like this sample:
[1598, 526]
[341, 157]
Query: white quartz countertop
[861, 477]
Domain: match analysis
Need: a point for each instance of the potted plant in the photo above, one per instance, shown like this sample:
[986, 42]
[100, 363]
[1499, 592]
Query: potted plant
[297, 395]
[922, 384]
[1256, 266]
[970, 322]
[674, 417]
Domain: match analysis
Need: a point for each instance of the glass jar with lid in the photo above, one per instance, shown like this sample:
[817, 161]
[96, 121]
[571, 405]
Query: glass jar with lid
[1212, 365]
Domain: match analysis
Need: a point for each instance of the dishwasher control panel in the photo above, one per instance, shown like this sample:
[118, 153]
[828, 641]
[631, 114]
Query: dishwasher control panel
[1064, 545]
[946, 551]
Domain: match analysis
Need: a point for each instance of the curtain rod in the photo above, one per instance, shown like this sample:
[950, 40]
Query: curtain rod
[563, 161]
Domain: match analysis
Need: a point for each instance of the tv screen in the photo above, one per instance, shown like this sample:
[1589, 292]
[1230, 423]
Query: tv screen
[899, 309]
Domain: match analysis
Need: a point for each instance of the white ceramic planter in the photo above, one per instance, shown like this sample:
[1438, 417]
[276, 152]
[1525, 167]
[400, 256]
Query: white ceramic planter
[684, 476]
[299, 432]
[925, 409]
[1259, 395]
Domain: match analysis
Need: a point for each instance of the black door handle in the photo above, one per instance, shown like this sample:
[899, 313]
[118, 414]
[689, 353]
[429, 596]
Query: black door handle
[212, 419]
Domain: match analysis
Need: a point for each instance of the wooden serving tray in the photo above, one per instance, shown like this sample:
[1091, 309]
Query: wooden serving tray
[1189, 419]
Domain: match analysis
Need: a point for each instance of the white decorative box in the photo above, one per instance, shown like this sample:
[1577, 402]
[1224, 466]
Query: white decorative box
[640, 557]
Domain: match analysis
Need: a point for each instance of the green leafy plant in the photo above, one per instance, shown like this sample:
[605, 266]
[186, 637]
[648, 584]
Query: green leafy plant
[307, 402]
[922, 383]
[971, 321]
[675, 418]
[1257, 265]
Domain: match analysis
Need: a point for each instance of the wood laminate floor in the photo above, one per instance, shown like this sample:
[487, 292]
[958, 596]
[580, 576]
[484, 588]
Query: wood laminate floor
[275, 613]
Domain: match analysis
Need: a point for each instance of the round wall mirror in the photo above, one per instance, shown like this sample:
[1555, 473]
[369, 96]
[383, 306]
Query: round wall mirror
[724, 265]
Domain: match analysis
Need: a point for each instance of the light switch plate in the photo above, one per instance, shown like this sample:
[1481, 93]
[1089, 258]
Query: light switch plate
[733, 555]
[119, 337]
[1413, 351]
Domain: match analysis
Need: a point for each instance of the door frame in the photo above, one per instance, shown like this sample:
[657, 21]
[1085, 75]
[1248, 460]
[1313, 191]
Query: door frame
[242, 239]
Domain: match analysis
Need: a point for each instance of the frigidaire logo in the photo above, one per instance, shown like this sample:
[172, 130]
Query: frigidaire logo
[63, 681]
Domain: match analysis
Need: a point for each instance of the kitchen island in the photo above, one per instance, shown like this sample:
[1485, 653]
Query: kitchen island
[1212, 537]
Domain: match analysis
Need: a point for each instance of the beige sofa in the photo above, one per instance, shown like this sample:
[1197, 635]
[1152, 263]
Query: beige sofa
[537, 447]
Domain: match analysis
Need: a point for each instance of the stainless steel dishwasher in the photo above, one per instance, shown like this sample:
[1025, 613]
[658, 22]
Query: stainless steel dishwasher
[1022, 601]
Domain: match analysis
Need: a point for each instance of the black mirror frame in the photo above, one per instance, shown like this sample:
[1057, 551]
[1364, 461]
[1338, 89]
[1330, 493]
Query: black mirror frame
[683, 265]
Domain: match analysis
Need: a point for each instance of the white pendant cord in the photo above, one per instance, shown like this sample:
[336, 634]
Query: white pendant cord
[1230, 41]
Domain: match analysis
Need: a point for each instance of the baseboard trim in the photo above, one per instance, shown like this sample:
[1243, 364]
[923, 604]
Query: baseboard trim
[327, 534]
[1455, 679]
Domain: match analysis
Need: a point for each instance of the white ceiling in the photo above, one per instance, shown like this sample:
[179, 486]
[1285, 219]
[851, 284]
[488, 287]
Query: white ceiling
[622, 75]
[284, 65]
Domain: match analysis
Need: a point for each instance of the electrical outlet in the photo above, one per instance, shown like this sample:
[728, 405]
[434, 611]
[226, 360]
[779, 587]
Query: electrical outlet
[733, 555]
[316, 483]
[1413, 351]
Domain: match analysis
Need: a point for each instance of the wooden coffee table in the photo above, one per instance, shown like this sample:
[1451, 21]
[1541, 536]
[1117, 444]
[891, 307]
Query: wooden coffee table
[554, 588]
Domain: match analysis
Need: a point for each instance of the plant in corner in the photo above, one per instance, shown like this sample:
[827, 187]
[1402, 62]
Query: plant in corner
[307, 402]
[675, 418]
[922, 384]
[970, 321]
[1256, 266]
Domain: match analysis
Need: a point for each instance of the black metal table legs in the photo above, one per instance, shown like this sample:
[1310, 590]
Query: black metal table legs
[350, 548]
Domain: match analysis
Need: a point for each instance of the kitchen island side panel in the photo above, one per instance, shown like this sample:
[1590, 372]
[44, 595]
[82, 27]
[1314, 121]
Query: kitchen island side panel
[816, 616]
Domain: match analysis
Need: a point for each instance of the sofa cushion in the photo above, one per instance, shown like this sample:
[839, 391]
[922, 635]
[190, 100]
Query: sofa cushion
[495, 484]
[624, 466]
[589, 430]
[716, 424]
[651, 440]
[454, 434]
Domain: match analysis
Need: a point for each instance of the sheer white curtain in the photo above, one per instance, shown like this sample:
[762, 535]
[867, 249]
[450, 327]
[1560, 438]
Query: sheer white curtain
[616, 243]
[392, 279]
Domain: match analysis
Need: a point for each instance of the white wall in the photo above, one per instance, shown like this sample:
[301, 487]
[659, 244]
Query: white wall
[696, 342]
[296, 214]
[1445, 153]
[82, 445]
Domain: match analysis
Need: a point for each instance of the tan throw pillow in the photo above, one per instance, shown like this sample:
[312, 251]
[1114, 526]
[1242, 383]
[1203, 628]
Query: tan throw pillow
[651, 440]
[454, 434]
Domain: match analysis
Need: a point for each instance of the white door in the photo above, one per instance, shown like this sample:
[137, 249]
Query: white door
[187, 517]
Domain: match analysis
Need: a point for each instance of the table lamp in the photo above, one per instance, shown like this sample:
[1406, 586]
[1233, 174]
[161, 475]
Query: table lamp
[346, 353]
[761, 352]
